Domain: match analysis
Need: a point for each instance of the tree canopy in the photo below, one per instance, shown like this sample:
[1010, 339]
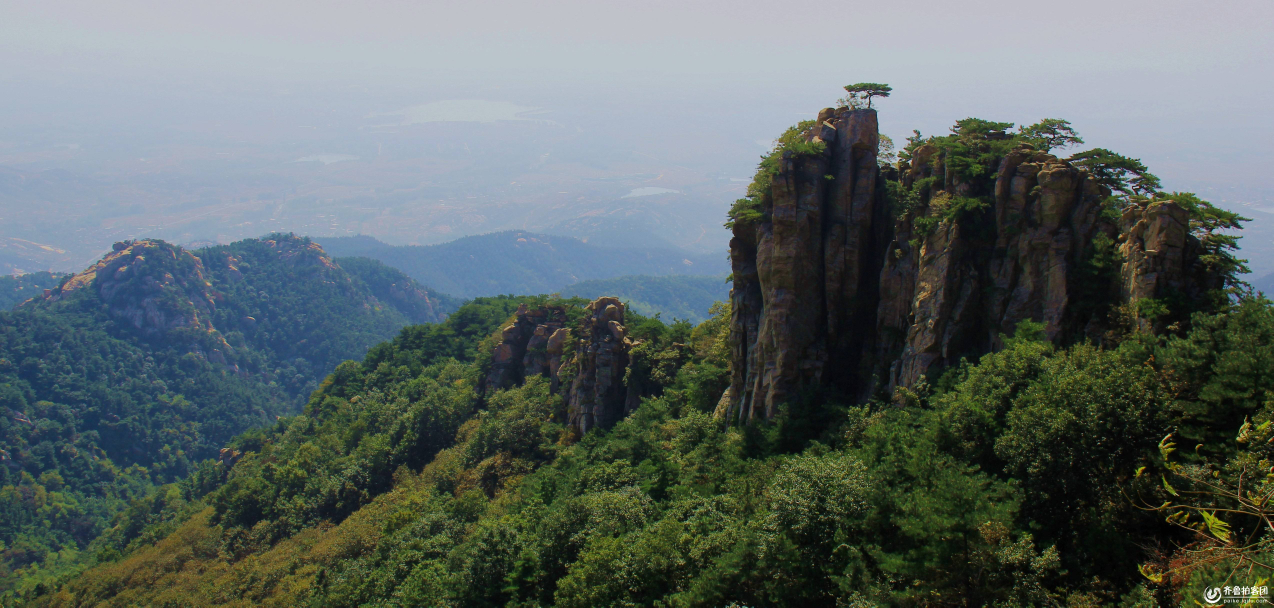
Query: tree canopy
[864, 91]
[1049, 134]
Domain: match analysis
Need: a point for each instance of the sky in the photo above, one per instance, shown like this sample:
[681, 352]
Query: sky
[698, 87]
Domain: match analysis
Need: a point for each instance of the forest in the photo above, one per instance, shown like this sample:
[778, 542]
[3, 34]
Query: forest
[99, 412]
[1035, 475]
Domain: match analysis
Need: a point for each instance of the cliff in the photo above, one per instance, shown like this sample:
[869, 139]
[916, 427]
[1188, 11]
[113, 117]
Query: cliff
[863, 277]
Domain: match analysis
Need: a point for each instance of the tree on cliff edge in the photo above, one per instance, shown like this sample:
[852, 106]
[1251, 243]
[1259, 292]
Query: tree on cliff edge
[865, 91]
[1050, 133]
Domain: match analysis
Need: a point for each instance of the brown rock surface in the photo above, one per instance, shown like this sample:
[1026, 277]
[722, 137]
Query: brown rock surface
[830, 289]
[152, 286]
[597, 394]
[524, 347]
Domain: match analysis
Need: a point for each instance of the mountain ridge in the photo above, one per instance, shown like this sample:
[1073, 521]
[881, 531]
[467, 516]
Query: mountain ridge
[520, 262]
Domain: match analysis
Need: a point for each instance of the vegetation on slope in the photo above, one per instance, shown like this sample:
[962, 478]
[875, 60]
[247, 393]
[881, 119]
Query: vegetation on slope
[16, 289]
[1008, 481]
[97, 410]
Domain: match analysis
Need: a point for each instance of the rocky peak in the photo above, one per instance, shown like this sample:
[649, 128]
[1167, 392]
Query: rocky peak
[597, 395]
[586, 366]
[152, 286]
[837, 284]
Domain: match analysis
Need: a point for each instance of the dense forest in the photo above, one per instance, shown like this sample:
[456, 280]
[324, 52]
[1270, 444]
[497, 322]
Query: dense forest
[1036, 475]
[671, 297]
[101, 404]
[1127, 463]
[519, 262]
[16, 289]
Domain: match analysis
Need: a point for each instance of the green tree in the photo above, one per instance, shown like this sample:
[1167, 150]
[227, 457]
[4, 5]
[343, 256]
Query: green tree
[1049, 134]
[1117, 172]
[864, 91]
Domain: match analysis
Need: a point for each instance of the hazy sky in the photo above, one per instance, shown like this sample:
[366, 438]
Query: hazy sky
[1185, 86]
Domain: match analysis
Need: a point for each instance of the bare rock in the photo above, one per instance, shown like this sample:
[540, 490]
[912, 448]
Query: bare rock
[597, 395]
[830, 289]
[524, 350]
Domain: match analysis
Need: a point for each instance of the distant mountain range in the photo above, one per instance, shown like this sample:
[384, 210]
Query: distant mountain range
[676, 297]
[1264, 284]
[519, 262]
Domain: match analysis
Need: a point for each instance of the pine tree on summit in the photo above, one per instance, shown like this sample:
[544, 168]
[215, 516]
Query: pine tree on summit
[864, 91]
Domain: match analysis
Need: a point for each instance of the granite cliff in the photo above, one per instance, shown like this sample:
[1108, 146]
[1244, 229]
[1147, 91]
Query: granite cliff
[863, 276]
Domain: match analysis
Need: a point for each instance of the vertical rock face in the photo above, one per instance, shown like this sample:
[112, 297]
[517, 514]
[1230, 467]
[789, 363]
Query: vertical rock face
[597, 394]
[832, 290]
[805, 280]
[526, 347]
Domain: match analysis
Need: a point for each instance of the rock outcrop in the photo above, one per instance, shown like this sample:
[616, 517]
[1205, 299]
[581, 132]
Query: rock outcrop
[531, 345]
[597, 395]
[836, 286]
[586, 366]
[150, 285]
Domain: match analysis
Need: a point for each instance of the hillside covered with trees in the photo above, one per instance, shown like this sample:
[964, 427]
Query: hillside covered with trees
[16, 289]
[131, 373]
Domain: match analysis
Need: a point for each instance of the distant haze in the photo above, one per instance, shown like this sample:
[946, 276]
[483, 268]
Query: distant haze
[418, 123]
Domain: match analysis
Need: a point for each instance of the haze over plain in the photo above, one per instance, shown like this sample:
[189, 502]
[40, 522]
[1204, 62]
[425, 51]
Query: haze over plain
[623, 124]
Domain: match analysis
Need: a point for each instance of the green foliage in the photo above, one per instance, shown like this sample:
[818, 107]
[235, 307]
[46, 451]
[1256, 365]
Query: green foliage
[1117, 172]
[885, 154]
[945, 208]
[1207, 223]
[16, 289]
[973, 150]
[752, 208]
[1214, 482]
[863, 92]
[1049, 134]
[1006, 484]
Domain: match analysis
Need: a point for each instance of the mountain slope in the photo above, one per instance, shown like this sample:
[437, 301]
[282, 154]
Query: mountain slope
[129, 373]
[521, 262]
[16, 289]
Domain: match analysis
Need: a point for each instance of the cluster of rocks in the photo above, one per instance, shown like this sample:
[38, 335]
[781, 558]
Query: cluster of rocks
[151, 285]
[587, 366]
[831, 289]
[530, 346]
